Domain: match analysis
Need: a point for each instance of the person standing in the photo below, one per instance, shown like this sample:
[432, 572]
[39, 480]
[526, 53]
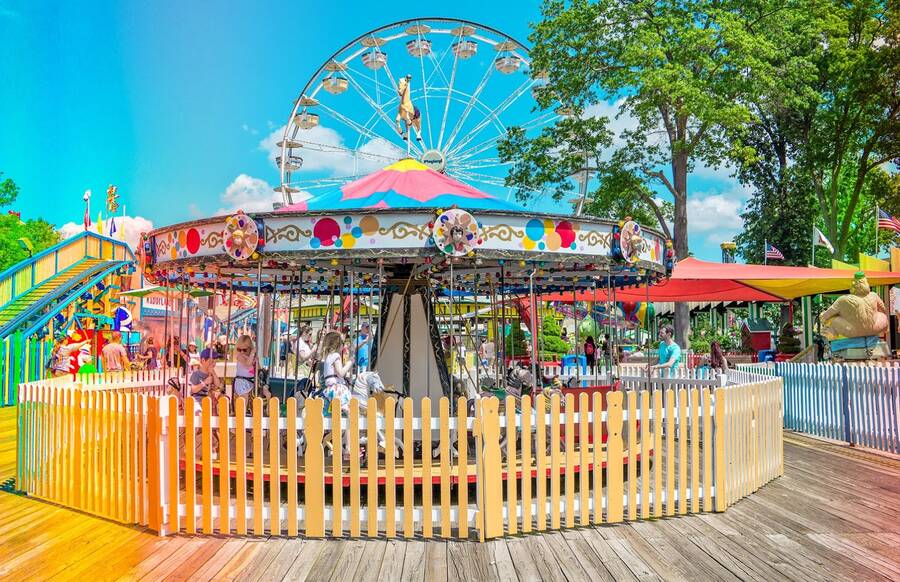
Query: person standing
[717, 360]
[114, 356]
[149, 354]
[363, 345]
[590, 354]
[669, 350]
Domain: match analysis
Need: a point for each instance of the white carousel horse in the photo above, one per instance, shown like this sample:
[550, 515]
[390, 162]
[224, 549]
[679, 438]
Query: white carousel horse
[407, 112]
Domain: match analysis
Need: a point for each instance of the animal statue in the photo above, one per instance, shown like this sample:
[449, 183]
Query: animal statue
[407, 113]
[861, 313]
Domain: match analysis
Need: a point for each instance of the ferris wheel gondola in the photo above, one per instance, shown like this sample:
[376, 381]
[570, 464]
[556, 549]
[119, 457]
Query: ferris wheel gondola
[441, 90]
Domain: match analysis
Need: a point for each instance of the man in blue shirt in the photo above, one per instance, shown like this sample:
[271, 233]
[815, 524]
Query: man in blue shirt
[669, 351]
[363, 343]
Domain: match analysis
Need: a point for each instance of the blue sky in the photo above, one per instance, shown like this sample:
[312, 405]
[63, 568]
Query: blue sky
[174, 101]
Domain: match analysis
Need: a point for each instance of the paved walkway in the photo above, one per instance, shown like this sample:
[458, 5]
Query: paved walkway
[835, 514]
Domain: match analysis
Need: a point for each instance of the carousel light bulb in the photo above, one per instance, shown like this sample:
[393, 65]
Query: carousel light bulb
[521, 263]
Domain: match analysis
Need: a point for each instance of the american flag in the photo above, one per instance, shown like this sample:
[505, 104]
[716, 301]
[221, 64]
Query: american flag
[887, 221]
[773, 253]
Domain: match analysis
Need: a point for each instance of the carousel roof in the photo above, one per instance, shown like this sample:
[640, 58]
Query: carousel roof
[404, 184]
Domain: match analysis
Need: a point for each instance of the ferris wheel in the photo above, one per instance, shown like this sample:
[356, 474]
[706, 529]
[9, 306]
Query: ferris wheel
[440, 90]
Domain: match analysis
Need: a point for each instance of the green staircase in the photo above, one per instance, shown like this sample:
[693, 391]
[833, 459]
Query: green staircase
[54, 284]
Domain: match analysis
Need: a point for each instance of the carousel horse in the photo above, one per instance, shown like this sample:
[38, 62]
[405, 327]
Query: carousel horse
[407, 113]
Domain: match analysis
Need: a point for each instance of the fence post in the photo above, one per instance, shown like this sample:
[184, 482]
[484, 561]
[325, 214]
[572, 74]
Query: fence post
[721, 493]
[155, 518]
[491, 509]
[845, 405]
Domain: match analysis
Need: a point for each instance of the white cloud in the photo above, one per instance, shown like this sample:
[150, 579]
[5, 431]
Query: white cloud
[133, 227]
[714, 217]
[337, 159]
[250, 195]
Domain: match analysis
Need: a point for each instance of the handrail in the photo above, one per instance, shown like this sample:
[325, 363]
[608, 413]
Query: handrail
[8, 277]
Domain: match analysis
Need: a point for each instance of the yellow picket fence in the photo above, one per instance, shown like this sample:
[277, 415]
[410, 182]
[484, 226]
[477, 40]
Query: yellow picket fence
[485, 468]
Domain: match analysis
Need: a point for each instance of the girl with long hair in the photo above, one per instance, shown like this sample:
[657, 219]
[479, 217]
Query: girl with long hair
[717, 360]
[334, 370]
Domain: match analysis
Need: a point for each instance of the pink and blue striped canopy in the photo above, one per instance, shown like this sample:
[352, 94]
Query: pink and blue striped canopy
[404, 184]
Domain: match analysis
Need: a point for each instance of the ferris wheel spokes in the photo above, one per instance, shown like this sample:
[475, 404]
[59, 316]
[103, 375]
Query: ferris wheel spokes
[510, 99]
[487, 144]
[462, 118]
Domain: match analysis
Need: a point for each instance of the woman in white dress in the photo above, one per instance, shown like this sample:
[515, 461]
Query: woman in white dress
[334, 370]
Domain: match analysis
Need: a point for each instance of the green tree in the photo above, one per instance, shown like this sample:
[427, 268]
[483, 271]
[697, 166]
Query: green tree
[855, 123]
[41, 233]
[550, 339]
[682, 70]
[9, 191]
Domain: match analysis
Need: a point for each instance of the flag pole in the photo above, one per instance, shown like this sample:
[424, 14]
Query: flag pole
[814, 241]
[876, 230]
[766, 252]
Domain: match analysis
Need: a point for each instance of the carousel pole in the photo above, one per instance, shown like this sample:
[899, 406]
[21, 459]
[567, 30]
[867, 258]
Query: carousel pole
[182, 320]
[596, 327]
[380, 304]
[575, 317]
[272, 321]
[534, 344]
[299, 323]
[343, 275]
[476, 343]
[647, 311]
[259, 312]
[287, 349]
[227, 328]
[453, 359]
[503, 364]
[165, 373]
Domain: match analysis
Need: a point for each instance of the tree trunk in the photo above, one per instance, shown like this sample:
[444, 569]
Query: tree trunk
[679, 181]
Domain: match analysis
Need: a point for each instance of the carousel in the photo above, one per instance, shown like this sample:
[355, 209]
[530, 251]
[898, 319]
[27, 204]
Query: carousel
[402, 249]
[403, 241]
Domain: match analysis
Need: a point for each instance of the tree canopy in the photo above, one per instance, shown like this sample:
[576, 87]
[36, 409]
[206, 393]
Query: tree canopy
[682, 72]
[40, 233]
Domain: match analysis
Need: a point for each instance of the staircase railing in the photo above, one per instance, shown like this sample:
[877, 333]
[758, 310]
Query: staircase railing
[24, 276]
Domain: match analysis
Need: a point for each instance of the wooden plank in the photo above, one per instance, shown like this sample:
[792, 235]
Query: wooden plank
[353, 445]
[206, 475]
[597, 432]
[190, 473]
[275, 468]
[682, 459]
[540, 449]
[646, 447]
[173, 469]
[408, 458]
[314, 465]
[584, 459]
[427, 481]
[337, 470]
[658, 488]
[258, 485]
[670, 452]
[372, 465]
[224, 467]
[492, 469]
[707, 450]
[462, 489]
[240, 460]
[555, 462]
[631, 396]
[77, 449]
[720, 430]
[695, 450]
[390, 487]
[291, 441]
[614, 484]
[570, 459]
[526, 464]
[512, 505]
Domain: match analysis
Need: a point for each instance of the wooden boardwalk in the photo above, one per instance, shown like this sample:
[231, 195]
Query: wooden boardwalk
[835, 514]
